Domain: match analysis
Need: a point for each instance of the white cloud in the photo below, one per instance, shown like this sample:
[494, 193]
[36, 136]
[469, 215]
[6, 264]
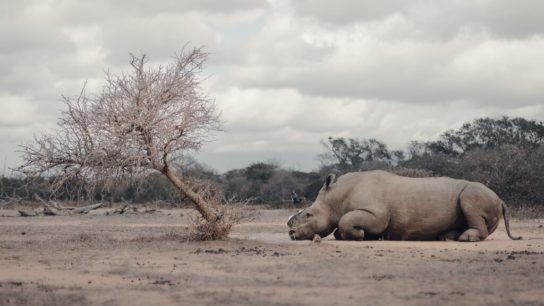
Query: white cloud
[286, 120]
[20, 118]
[87, 40]
[16, 111]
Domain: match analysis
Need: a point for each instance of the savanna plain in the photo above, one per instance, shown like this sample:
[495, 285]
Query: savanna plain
[144, 259]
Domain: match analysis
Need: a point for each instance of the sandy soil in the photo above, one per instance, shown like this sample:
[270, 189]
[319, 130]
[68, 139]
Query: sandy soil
[140, 260]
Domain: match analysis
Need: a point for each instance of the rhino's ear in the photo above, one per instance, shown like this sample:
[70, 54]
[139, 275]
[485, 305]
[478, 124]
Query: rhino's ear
[331, 179]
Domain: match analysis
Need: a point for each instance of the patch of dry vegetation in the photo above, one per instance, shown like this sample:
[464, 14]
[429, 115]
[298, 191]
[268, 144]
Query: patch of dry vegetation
[202, 230]
[527, 211]
[228, 214]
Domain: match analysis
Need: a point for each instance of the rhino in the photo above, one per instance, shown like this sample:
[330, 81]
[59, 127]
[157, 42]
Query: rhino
[377, 204]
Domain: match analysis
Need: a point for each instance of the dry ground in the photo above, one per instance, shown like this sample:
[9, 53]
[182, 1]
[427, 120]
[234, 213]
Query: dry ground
[140, 260]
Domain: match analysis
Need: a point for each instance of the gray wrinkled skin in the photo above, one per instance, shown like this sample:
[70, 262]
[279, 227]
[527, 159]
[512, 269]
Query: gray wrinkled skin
[380, 205]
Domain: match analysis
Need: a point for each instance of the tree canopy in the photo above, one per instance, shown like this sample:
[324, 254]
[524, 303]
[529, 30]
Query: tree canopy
[489, 133]
[350, 154]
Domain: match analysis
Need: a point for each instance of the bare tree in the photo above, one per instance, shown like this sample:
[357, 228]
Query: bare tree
[139, 123]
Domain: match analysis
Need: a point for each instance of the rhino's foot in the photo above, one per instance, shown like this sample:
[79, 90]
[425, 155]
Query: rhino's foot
[353, 234]
[470, 235]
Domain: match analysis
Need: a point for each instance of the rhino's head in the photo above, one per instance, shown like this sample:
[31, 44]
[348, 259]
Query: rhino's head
[314, 219]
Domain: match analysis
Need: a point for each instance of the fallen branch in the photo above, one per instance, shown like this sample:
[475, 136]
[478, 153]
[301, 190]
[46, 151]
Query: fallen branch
[85, 209]
[131, 209]
[52, 208]
[26, 213]
[122, 210]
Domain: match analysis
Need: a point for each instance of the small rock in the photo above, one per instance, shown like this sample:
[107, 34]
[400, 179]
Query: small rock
[317, 238]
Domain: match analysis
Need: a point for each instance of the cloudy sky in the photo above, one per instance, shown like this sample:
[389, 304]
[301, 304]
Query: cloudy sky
[286, 74]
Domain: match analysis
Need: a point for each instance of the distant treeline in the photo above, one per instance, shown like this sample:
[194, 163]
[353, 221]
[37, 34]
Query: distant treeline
[505, 154]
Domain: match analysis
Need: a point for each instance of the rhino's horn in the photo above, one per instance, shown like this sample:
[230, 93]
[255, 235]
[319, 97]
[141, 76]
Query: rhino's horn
[292, 218]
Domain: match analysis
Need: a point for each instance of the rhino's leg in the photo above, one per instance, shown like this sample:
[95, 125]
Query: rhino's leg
[355, 224]
[472, 203]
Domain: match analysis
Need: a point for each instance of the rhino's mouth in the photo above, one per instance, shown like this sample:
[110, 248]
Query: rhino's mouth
[292, 234]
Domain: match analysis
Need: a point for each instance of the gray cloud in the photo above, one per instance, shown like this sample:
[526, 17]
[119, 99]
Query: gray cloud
[440, 20]
[285, 73]
[348, 11]
[394, 59]
[222, 7]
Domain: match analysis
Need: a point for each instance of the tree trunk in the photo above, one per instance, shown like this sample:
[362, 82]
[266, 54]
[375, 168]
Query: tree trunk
[203, 207]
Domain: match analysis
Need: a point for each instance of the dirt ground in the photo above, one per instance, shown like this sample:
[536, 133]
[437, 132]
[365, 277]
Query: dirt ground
[140, 260]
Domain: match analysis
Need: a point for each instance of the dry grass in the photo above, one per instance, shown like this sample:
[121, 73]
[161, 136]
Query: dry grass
[202, 230]
[527, 211]
[229, 214]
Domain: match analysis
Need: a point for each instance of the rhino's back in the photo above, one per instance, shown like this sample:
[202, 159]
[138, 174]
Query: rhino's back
[417, 208]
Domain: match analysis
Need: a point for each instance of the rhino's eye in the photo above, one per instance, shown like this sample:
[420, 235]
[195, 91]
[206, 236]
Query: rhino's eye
[308, 215]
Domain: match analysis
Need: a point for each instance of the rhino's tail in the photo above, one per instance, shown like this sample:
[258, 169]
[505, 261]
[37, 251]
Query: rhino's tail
[506, 215]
